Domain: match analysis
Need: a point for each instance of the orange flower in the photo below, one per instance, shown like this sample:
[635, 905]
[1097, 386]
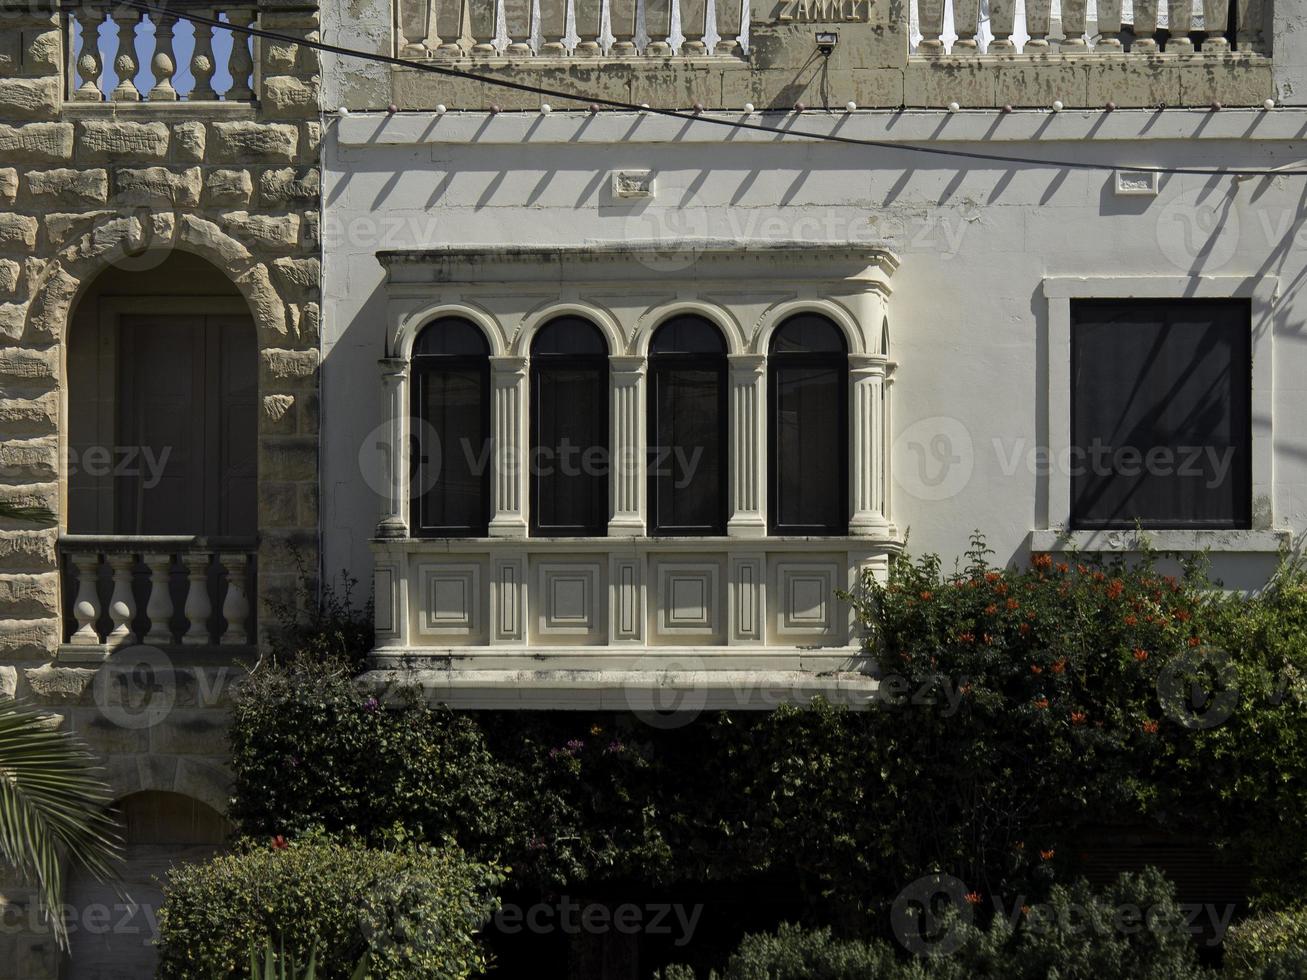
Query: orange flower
[1046, 855]
[1001, 588]
[1115, 589]
[1182, 615]
[1131, 620]
[973, 898]
[1081, 569]
[1141, 654]
[1063, 567]
[1042, 561]
[1151, 727]
[279, 843]
[1077, 717]
[1194, 641]
[965, 688]
[1041, 703]
[1059, 666]
[992, 576]
[926, 596]
[1013, 604]
[1025, 628]
[991, 609]
[1036, 669]
[967, 637]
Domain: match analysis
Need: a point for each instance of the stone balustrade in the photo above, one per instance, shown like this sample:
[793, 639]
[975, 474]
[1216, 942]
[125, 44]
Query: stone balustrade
[156, 590]
[446, 29]
[105, 40]
[1138, 28]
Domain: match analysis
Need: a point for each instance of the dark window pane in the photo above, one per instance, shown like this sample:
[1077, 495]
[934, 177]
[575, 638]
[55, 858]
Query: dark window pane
[808, 332]
[809, 448]
[687, 335]
[569, 335]
[1161, 414]
[569, 464]
[451, 337]
[453, 459]
[687, 443]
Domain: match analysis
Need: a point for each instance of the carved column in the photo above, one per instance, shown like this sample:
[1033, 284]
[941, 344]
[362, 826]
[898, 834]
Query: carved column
[86, 608]
[866, 430]
[89, 64]
[126, 63]
[508, 425]
[626, 479]
[122, 604]
[747, 449]
[158, 608]
[394, 448]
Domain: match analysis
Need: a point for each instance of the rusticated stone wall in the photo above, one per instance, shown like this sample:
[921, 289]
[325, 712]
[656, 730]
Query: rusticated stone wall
[88, 191]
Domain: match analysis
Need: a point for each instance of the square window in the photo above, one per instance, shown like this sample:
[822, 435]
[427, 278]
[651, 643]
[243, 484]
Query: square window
[1161, 425]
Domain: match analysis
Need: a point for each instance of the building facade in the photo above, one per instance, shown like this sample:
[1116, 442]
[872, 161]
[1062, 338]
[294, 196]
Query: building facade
[609, 405]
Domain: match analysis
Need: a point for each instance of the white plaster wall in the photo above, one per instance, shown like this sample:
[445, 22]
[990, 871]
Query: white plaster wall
[976, 240]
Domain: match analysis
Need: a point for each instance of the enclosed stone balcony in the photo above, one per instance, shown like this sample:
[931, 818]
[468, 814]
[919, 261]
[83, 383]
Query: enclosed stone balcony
[775, 54]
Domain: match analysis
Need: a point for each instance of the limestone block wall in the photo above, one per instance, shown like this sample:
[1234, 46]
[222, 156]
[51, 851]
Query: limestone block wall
[93, 189]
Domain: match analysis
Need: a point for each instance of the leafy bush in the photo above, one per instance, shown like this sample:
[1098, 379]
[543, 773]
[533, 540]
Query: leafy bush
[414, 912]
[1268, 947]
[1132, 930]
[320, 625]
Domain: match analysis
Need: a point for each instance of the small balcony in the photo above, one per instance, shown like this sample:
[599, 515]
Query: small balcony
[177, 593]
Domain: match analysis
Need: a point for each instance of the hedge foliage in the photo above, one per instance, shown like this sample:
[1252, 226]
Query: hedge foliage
[1272, 946]
[1129, 931]
[414, 912]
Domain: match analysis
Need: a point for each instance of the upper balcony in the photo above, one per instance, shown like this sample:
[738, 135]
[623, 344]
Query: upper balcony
[733, 54]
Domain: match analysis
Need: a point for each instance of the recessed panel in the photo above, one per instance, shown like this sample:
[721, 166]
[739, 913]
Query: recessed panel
[568, 600]
[451, 600]
[804, 602]
[688, 600]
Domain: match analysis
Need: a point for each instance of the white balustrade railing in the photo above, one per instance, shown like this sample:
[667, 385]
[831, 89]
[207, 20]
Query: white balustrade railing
[158, 590]
[571, 28]
[122, 54]
[1033, 28]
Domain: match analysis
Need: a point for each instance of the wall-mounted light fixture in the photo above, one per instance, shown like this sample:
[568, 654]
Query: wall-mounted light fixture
[826, 41]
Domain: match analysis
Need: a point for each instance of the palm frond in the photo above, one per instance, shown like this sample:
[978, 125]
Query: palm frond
[19, 512]
[53, 803]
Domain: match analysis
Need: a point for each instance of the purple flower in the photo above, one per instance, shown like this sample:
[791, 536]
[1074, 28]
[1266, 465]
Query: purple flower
[575, 745]
[614, 747]
[371, 704]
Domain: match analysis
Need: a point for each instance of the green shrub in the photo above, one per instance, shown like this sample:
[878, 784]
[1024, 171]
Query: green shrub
[320, 625]
[414, 912]
[1130, 931]
[1268, 947]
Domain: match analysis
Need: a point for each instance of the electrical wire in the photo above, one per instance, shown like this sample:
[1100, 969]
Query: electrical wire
[698, 117]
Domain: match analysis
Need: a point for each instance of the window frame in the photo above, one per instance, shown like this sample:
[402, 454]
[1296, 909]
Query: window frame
[829, 359]
[662, 364]
[421, 367]
[1053, 422]
[539, 365]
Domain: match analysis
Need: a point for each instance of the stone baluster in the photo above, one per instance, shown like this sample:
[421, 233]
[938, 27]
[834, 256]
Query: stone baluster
[199, 607]
[164, 62]
[483, 20]
[553, 25]
[125, 63]
[866, 471]
[158, 608]
[627, 439]
[1038, 24]
[586, 14]
[517, 21]
[89, 64]
[508, 423]
[748, 467]
[966, 21]
[1182, 22]
[394, 448]
[728, 27]
[122, 604]
[1073, 27]
[1145, 27]
[1109, 27]
[621, 18]
[447, 16]
[1252, 21]
[202, 63]
[236, 604]
[413, 28]
[241, 63]
[86, 608]
[658, 25]
[1002, 21]
[694, 22]
[931, 16]
[1216, 15]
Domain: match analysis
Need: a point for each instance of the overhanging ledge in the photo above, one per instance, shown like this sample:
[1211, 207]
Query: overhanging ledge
[650, 693]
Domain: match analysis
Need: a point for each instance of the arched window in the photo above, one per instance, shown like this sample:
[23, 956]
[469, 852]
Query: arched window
[808, 432]
[569, 429]
[687, 428]
[451, 403]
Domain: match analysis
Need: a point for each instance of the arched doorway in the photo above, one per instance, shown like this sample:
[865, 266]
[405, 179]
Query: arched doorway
[111, 937]
[163, 404]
